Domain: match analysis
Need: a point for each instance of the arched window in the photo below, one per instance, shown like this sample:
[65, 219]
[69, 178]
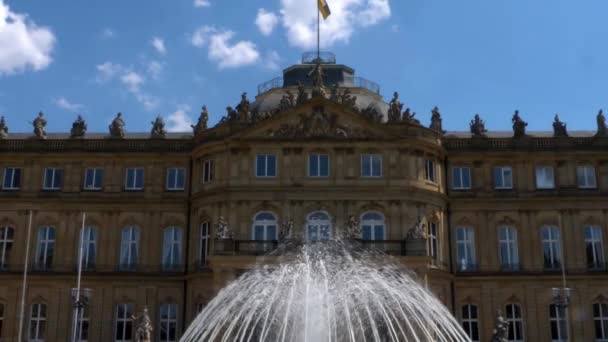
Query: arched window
[600, 320]
[318, 226]
[129, 248]
[172, 246]
[470, 321]
[45, 249]
[265, 227]
[6, 244]
[514, 318]
[372, 226]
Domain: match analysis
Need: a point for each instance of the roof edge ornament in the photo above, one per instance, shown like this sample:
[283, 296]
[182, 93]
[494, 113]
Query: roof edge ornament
[117, 127]
[3, 128]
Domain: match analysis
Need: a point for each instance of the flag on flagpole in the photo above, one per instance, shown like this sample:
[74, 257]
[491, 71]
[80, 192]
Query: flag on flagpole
[323, 8]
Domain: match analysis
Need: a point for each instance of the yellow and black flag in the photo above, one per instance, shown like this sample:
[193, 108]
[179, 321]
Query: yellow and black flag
[324, 8]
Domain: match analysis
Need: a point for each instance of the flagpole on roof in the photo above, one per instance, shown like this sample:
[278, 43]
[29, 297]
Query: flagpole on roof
[318, 33]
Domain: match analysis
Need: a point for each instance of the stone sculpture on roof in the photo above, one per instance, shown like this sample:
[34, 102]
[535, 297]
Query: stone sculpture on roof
[302, 95]
[478, 126]
[288, 101]
[436, 120]
[394, 108]
[158, 128]
[201, 124]
[243, 108]
[602, 131]
[316, 76]
[39, 125]
[3, 128]
[519, 125]
[79, 128]
[117, 127]
[409, 117]
[559, 128]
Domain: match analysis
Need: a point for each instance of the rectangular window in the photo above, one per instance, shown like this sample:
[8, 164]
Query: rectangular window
[37, 326]
[503, 178]
[134, 179]
[318, 165]
[544, 177]
[551, 247]
[82, 324]
[172, 241]
[124, 323]
[12, 179]
[266, 165]
[371, 165]
[129, 248]
[93, 178]
[507, 249]
[168, 322]
[7, 238]
[176, 179]
[557, 320]
[53, 179]
[45, 248]
[585, 177]
[593, 247]
[470, 321]
[204, 244]
[89, 248]
[465, 249]
[514, 318]
[433, 240]
[429, 170]
[461, 178]
[600, 321]
[208, 171]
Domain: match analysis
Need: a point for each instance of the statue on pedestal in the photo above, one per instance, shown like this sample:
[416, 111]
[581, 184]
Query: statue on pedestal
[243, 108]
[143, 326]
[302, 95]
[353, 229]
[559, 128]
[158, 128]
[602, 131]
[501, 326]
[201, 125]
[316, 76]
[79, 128]
[394, 108]
[3, 128]
[223, 230]
[117, 127]
[287, 101]
[436, 121]
[478, 127]
[519, 125]
[409, 117]
[39, 124]
[417, 231]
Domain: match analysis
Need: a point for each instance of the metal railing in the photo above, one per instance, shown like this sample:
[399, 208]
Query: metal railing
[274, 83]
[323, 57]
[361, 82]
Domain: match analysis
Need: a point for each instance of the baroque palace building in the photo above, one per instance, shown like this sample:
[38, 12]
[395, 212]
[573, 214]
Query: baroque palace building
[488, 220]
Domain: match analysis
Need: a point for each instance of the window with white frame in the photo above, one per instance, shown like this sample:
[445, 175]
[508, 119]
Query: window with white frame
[371, 165]
[168, 322]
[205, 235]
[172, 246]
[461, 178]
[82, 324]
[507, 248]
[465, 249]
[515, 321]
[265, 227]
[93, 178]
[433, 241]
[7, 238]
[12, 178]
[37, 326]
[176, 179]
[89, 248]
[266, 165]
[557, 320]
[134, 179]
[318, 226]
[600, 321]
[551, 247]
[129, 248]
[470, 321]
[53, 179]
[318, 165]
[124, 323]
[208, 170]
[545, 178]
[45, 248]
[503, 177]
[594, 247]
[429, 170]
[372, 226]
[585, 177]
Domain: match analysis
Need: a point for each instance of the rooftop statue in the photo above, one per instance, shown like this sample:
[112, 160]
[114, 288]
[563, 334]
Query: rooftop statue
[316, 76]
[117, 127]
[602, 131]
[499, 334]
[231, 114]
[201, 124]
[243, 108]
[39, 124]
[288, 101]
[3, 128]
[478, 127]
[347, 99]
[372, 113]
[335, 95]
[436, 120]
[519, 125]
[143, 327]
[79, 128]
[394, 108]
[302, 95]
[559, 128]
[158, 128]
[409, 117]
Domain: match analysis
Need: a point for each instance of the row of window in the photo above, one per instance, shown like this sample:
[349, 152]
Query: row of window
[508, 251]
[93, 179]
[544, 176]
[557, 322]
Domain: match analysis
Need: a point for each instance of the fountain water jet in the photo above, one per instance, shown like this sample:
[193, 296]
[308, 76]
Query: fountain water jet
[325, 291]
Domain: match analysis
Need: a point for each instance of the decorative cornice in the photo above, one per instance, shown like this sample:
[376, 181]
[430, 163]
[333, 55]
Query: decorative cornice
[527, 143]
[96, 145]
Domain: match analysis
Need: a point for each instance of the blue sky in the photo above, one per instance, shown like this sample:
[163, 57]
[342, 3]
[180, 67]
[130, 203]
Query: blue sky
[145, 58]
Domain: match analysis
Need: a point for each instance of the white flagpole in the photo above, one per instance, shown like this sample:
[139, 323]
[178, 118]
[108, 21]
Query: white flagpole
[24, 284]
[77, 304]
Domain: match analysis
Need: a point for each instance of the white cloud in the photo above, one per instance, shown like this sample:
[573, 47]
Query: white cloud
[132, 81]
[148, 101]
[24, 44]
[63, 103]
[300, 20]
[159, 45]
[271, 60]
[179, 121]
[108, 71]
[155, 68]
[108, 33]
[266, 21]
[201, 3]
[222, 51]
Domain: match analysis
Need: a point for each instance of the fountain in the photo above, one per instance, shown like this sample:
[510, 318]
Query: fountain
[325, 291]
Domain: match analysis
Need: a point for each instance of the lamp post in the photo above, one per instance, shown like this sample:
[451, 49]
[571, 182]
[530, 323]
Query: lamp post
[561, 299]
